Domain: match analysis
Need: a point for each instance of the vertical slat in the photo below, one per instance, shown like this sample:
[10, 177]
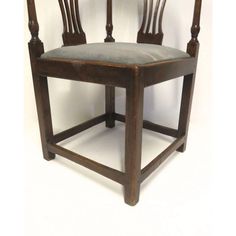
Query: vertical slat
[155, 17]
[72, 7]
[73, 33]
[149, 15]
[63, 13]
[68, 16]
[78, 17]
[145, 9]
[152, 15]
[160, 31]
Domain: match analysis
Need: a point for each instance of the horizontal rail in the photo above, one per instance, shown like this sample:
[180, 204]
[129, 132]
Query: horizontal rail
[77, 129]
[159, 72]
[154, 164]
[106, 171]
[86, 71]
[151, 126]
[160, 129]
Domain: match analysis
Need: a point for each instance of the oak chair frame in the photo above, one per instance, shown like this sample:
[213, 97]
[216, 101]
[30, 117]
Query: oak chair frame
[134, 78]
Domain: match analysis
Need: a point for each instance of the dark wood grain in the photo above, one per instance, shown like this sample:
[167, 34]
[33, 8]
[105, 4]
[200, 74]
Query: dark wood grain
[134, 78]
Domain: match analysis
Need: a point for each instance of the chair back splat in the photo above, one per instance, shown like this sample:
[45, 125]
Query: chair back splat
[148, 34]
[73, 33]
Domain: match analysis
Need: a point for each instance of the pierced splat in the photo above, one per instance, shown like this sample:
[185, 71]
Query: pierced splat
[73, 33]
[152, 15]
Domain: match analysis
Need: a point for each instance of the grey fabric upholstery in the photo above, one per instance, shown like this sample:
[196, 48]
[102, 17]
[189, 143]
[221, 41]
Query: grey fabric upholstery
[121, 53]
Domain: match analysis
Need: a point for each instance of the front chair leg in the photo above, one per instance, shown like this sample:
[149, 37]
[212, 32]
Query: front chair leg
[133, 140]
[44, 114]
[110, 106]
[185, 109]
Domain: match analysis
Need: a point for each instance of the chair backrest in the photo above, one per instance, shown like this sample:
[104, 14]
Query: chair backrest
[150, 30]
[73, 32]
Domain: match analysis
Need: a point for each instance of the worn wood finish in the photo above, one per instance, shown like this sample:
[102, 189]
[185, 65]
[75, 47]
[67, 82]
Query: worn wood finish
[73, 33]
[144, 34]
[134, 78]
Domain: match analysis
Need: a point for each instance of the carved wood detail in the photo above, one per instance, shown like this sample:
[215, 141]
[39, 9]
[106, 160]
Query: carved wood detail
[109, 25]
[152, 14]
[33, 22]
[73, 33]
[193, 45]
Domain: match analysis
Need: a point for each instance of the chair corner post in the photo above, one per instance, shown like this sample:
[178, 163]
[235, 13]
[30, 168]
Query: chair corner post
[109, 25]
[36, 47]
[133, 138]
[193, 45]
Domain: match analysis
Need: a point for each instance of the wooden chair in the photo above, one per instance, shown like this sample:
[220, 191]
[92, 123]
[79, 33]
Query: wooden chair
[147, 63]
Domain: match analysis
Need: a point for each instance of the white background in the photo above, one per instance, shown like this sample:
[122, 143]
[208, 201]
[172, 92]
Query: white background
[192, 195]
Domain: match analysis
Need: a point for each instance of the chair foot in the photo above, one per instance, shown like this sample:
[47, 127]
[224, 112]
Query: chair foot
[48, 156]
[182, 148]
[131, 197]
[110, 124]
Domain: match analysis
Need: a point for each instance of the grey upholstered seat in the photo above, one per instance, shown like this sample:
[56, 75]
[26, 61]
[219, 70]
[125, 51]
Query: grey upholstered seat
[121, 53]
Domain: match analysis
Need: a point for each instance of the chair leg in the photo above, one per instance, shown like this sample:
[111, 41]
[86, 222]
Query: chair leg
[44, 113]
[133, 141]
[185, 109]
[110, 106]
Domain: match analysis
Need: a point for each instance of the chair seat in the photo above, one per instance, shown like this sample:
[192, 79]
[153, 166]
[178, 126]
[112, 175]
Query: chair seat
[118, 53]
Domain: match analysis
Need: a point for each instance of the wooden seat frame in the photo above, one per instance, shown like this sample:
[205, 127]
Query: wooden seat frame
[134, 78]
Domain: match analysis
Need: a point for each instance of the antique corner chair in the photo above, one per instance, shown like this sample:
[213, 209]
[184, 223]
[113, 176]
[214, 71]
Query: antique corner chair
[147, 63]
